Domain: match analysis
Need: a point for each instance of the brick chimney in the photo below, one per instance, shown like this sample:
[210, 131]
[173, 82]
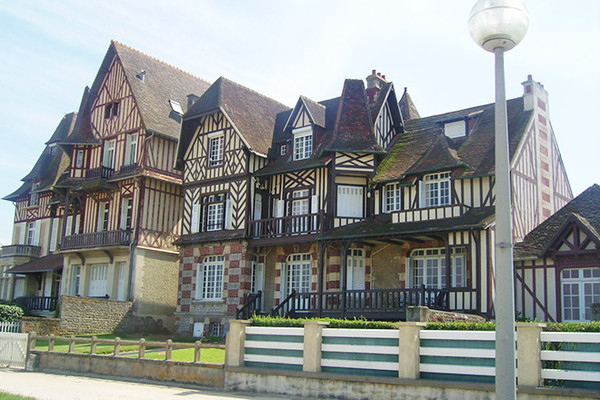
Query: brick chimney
[374, 83]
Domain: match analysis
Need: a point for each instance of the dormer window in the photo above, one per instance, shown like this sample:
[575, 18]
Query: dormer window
[455, 129]
[34, 197]
[303, 143]
[283, 150]
[79, 159]
[435, 190]
[215, 149]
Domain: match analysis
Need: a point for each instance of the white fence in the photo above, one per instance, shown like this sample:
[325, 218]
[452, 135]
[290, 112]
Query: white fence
[10, 327]
[13, 349]
[575, 357]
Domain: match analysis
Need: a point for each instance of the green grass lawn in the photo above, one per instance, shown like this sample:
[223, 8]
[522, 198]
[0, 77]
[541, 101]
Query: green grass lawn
[211, 356]
[8, 396]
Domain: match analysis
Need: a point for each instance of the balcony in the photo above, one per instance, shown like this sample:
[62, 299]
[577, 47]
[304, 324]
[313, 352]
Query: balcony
[99, 173]
[38, 303]
[430, 213]
[127, 169]
[21, 250]
[96, 239]
[290, 227]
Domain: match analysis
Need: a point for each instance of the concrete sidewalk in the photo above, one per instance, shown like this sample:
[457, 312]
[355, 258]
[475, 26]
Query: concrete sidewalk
[46, 386]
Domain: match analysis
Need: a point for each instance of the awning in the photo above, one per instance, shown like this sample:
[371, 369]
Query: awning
[49, 263]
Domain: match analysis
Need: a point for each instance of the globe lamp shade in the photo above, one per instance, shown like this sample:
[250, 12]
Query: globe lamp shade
[498, 23]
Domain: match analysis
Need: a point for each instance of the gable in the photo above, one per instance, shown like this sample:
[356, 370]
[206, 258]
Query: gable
[576, 236]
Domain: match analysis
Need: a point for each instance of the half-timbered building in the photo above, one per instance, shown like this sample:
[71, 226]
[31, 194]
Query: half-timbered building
[122, 194]
[363, 208]
[558, 263]
[31, 267]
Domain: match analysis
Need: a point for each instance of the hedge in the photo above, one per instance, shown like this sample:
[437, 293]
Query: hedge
[10, 313]
[362, 323]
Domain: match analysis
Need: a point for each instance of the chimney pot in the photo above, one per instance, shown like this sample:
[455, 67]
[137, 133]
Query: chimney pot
[379, 74]
[529, 78]
[383, 76]
[374, 71]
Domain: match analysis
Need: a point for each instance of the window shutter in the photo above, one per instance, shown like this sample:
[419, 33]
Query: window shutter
[123, 214]
[422, 199]
[279, 208]
[409, 272]
[23, 233]
[229, 214]
[195, 218]
[69, 226]
[314, 209]
[54, 234]
[127, 151]
[36, 234]
[77, 221]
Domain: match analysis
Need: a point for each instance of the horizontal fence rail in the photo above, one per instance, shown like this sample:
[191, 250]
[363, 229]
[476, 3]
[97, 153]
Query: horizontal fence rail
[571, 359]
[119, 237]
[116, 343]
[267, 347]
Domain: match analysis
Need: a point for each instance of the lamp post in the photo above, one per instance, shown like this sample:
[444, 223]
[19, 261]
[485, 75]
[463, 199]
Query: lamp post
[498, 26]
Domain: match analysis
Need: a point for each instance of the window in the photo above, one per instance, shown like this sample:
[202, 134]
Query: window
[303, 143]
[75, 279]
[283, 150]
[126, 212]
[428, 267]
[580, 288]
[435, 190]
[210, 285]
[297, 274]
[392, 197]
[111, 110]
[298, 207]
[455, 129]
[34, 197]
[98, 275]
[215, 208]
[214, 329]
[350, 201]
[215, 155]
[131, 143]
[32, 233]
[108, 159]
[103, 208]
[79, 159]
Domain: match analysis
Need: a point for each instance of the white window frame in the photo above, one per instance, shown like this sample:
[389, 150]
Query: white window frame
[126, 213]
[214, 212]
[428, 266]
[131, 144]
[436, 190]
[283, 150]
[79, 158]
[580, 287]
[303, 142]
[75, 279]
[392, 199]
[347, 204]
[210, 278]
[355, 265]
[298, 274]
[216, 144]
[34, 197]
[108, 157]
[103, 216]
[33, 233]
[98, 280]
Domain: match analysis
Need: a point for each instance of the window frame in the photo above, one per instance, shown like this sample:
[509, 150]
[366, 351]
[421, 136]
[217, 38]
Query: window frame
[300, 277]
[103, 216]
[112, 109]
[303, 142]
[217, 203]
[396, 199]
[131, 146]
[362, 202]
[581, 282]
[216, 149]
[434, 260]
[79, 158]
[212, 269]
[437, 187]
[108, 154]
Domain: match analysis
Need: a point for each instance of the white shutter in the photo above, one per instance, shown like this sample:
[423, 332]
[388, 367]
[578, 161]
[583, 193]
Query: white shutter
[422, 200]
[54, 234]
[257, 206]
[259, 277]
[77, 221]
[195, 218]
[127, 150]
[23, 233]
[314, 209]
[36, 233]
[229, 214]
[280, 208]
[69, 226]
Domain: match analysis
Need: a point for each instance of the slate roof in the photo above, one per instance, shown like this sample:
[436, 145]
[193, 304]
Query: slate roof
[424, 147]
[583, 209]
[82, 131]
[382, 226]
[49, 167]
[49, 263]
[353, 130]
[252, 114]
[407, 107]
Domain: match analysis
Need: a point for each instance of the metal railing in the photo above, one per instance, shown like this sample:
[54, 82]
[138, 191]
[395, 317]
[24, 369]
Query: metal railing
[121, 237]
[21, 250]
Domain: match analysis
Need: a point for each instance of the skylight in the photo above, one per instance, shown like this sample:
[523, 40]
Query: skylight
[175, 106]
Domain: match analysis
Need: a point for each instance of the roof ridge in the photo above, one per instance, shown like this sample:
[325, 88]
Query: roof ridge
[115, 42]
[252, 90]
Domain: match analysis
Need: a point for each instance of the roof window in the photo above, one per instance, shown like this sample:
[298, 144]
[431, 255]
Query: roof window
[455, 129]
[176, 107]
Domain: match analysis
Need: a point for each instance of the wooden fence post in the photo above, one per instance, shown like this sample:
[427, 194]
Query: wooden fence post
[117, 348]
[409, 344]
[529, 353]
[51, 343]
[313, 338]
[169, 350]
[71, 344]
[197, 349]
[235, 343]
[142, 348]
[93, 345]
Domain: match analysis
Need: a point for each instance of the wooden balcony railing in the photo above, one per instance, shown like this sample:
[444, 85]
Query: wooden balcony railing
[21, 250]
[96, 239]
[38, 303]
[292, 225]
[252, 306]
[125, 169]
[99, 173]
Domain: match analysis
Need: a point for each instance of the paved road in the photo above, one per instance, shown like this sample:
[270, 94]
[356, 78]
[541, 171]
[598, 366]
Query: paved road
[45, 386]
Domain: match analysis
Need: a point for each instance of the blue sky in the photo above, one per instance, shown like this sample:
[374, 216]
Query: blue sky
[49, 51]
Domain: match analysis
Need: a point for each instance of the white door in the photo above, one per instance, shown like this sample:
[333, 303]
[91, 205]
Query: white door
[355, 278]
[98, 276]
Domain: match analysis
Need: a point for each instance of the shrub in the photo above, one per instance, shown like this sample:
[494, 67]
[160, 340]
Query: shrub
[593, 326]
[461, 326]
[10, 313]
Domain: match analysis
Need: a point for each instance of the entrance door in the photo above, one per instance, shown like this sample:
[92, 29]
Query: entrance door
[355, 277]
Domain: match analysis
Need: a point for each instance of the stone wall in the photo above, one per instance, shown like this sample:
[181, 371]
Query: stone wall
[41, 326]
[424, 314]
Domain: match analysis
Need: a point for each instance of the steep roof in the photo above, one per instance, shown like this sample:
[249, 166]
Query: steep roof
[583, 209]
[407, 107]
[424, 147]
[51, 163]
[252, 114]
[353, 129]
[82, 131]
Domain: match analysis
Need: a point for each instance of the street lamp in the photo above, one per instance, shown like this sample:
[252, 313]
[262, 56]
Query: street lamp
[498, 26]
